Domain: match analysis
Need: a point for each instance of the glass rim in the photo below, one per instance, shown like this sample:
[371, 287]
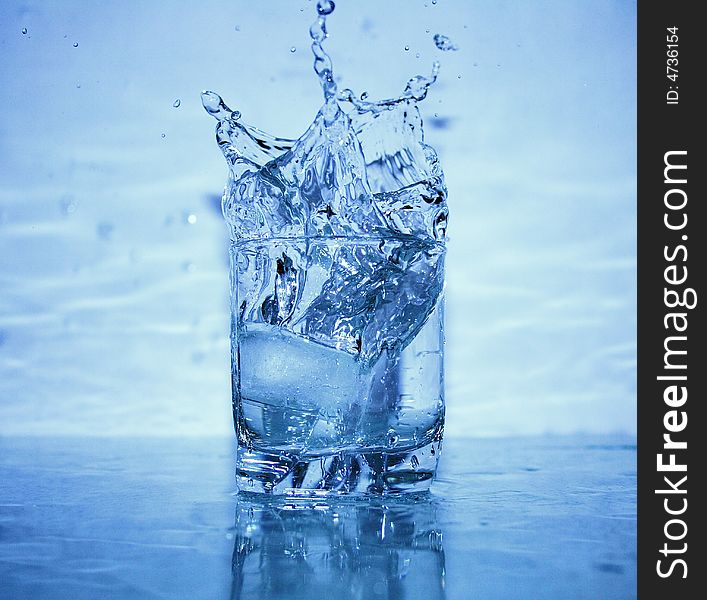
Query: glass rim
[361, 240]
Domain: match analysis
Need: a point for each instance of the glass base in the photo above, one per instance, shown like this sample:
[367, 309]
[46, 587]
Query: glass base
[349, 472]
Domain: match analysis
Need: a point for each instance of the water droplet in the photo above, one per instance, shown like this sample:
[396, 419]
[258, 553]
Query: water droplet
[364, 95]
[325, 7]
[68, 205]
[164, 135]
[76, 44]
[432, 451]
[78, 86]
[443, 43]
[434, 1]
[215, 106]
[417, 55]
[407, 48]
[459, 76]
[24, 31]
[177, 103]
[293, 49]
[191, 219]
[392, 438]
[414, 462]
[104, 230]
[237, 27]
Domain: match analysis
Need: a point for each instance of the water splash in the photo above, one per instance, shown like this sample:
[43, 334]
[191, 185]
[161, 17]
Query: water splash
[361, 167]
[322, 63]
[416, 89]
[243, 146]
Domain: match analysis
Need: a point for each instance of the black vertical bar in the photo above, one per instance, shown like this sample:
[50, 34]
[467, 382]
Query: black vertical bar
[670, 130]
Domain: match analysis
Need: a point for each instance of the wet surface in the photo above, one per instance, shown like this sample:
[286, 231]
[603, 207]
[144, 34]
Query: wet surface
[83, 518]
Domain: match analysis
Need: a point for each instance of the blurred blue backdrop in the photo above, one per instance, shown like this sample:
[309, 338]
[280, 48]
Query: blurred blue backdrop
[113, 266]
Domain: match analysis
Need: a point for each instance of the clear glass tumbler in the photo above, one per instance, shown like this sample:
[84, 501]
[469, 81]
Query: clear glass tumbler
[337, 364]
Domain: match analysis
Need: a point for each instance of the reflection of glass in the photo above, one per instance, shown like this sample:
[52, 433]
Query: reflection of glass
[337, 551]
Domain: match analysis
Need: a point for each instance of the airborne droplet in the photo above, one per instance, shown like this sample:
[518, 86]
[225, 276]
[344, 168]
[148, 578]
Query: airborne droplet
[443, 43]
[104, 230]
[325, 7]
[177, 103]
[68, 205]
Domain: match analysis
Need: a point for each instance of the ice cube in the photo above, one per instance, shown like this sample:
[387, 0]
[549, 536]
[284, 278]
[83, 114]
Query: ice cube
[377, 297]
[282, 369]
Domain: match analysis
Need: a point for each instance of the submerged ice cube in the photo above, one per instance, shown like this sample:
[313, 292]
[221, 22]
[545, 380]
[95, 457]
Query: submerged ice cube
[296, 393]
[281, 369]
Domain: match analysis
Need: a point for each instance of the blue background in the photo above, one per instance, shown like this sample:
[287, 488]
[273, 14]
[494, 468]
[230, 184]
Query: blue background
[113, 265]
